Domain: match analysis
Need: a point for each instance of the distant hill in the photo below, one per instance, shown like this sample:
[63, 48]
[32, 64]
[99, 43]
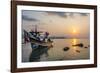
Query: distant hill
[65, 37]
[58, 37]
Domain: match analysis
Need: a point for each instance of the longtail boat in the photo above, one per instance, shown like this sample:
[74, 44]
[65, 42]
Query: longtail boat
[36, 41]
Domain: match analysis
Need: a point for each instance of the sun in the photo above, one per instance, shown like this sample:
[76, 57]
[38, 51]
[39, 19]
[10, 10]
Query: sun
[74, 31]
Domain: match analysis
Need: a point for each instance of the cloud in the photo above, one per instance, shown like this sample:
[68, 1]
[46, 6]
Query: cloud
[72, 14]
[24, 17]
[83, 14]
[60, 14]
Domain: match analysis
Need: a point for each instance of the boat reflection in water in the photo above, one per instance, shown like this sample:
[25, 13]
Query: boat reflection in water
[38, 52]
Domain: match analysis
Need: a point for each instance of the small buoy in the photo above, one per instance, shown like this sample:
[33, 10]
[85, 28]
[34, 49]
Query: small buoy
[66, 48]
[85, 47]
[78, 51]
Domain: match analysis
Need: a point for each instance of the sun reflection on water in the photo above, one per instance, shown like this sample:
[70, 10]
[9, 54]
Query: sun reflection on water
[74, 42]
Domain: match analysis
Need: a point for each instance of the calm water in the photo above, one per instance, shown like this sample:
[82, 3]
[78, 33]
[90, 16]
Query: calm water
[56, 52]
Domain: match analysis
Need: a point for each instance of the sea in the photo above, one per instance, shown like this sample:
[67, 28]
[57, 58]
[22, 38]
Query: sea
[62, 49]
